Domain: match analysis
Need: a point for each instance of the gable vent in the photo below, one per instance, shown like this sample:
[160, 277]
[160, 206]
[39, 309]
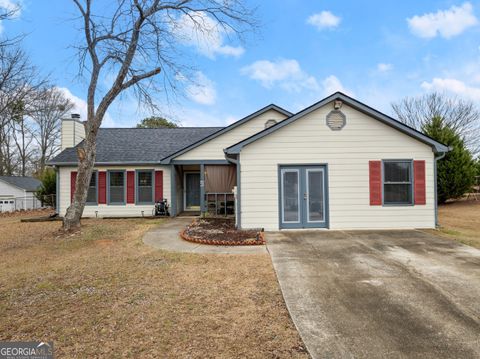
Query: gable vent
[336, 120]
[270, 123]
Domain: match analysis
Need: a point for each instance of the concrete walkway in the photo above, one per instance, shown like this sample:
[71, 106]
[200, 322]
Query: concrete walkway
[166, 237]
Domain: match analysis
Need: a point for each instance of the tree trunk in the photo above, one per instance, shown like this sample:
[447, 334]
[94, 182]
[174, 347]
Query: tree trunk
[86, 161]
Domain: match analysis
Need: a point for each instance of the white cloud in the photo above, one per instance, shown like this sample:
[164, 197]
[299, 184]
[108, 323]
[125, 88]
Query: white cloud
[332, 84]
[288, 75]
[446, 23]
[454, 86]
[381, 67]
[206, 35]
[10, 6]
[202, 90]
[285, 73]
[324, 20]
[80, 107]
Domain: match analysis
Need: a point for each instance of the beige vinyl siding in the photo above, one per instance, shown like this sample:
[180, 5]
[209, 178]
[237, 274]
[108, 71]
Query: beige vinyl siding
[105, 210]
[347, 153]
[73, 132]
[213, 149]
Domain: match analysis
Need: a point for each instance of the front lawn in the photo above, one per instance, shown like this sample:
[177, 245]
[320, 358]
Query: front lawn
[460, 220]
[103, 293]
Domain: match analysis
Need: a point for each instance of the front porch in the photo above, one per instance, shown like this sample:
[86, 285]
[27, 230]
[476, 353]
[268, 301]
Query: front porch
[205, 188]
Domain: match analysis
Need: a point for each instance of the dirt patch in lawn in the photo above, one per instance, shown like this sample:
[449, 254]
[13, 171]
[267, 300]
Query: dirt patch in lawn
[102, 293]
[220, 231]
[28, 213]
[459, 220]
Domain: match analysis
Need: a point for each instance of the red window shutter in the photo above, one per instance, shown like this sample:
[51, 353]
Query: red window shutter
[130, 186]
[158, 186]
[419, 182]
[102, 187]
[73, 180]
[375, 169]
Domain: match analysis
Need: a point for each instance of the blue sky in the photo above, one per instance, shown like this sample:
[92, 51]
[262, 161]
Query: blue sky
[376, 51]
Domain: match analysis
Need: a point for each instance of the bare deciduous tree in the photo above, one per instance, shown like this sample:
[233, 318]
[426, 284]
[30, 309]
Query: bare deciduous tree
[19, 84]
[46, 112]
[460, 115]
[135, 40]
[8, 12]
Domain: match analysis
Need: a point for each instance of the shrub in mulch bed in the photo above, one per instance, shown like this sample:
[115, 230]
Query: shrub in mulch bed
[220, 231]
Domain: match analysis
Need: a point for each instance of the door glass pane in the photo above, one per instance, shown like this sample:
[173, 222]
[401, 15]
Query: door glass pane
[315, 196]
[290, 197]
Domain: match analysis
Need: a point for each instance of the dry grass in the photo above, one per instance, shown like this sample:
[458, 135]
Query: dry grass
[460, 220]
[102, 293]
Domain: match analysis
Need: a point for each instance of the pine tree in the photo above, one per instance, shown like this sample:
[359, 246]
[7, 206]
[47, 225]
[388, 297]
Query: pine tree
[456, 171]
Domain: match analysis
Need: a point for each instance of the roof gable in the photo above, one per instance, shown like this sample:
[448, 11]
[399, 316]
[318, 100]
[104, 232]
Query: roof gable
[357, 105]
[227, 129]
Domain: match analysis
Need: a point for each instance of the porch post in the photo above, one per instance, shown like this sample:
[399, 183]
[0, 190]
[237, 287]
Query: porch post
[202, 189]
[173, 191]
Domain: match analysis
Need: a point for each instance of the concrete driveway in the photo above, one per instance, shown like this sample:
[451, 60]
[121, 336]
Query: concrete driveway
[395, 294]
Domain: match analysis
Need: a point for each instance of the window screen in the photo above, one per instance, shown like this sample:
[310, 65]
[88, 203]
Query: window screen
[117, 187]
[397, 182]
[145, 186]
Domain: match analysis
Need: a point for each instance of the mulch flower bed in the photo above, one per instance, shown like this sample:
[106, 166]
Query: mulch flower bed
[220, 231]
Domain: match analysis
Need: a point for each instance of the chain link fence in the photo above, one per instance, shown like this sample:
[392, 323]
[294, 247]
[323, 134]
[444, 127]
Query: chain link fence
[11, 204]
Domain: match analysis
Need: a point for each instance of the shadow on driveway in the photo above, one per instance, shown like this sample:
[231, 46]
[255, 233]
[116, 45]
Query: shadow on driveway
[378, 294]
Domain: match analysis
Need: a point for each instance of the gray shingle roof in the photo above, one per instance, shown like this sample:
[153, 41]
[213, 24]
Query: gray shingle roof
[27, 183]
[138, 145]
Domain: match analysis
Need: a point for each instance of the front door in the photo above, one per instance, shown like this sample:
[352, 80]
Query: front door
[303, 197]
[192, 190]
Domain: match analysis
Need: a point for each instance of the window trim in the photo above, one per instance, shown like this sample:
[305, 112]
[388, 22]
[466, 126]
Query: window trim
[412, 194]
[152, 171]
[95, 172]
[124, 188]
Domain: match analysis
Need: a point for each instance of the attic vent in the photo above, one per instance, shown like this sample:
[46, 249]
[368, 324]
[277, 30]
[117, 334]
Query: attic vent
[336, 120]
[270, 123]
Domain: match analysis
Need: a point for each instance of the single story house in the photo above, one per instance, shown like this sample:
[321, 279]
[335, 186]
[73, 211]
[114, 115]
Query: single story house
[337, 164]
[18, 192]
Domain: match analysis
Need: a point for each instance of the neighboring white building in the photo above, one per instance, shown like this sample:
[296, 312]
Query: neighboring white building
[337, 164]
[17, 193]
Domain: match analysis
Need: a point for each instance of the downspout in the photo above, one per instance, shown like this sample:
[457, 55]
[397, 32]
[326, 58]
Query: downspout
[236, 162]
[57, 191]
[439, 157]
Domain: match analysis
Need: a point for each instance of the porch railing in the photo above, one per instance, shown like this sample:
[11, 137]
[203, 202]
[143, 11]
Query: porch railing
[220, 203]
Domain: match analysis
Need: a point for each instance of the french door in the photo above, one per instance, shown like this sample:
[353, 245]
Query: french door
[303, 197]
